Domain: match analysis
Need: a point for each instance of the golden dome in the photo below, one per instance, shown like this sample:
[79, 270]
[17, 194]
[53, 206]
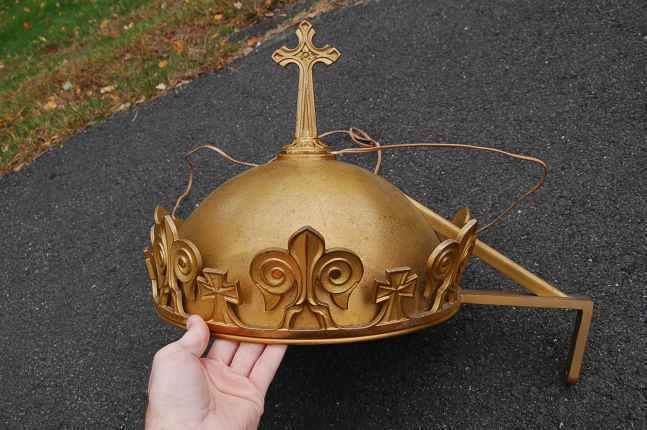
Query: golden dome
[343, 209]
[306, 248]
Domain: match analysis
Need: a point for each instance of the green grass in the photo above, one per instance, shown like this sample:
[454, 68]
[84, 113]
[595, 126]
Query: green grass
[67, 64]
[28, 27]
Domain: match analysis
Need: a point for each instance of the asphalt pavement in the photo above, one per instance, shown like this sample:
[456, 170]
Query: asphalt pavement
[561, 80]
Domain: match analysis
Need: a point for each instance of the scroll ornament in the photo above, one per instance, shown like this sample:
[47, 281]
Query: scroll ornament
[180, 283]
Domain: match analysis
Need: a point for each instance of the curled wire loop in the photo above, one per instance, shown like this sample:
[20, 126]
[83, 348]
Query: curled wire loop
[366, 145]
[189, 184]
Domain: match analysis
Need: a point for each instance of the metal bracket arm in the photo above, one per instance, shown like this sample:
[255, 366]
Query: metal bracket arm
[583, 306]
[545, 294]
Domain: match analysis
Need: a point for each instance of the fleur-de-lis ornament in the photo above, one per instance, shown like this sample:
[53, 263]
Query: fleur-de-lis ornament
[301, 270]
[446, 264]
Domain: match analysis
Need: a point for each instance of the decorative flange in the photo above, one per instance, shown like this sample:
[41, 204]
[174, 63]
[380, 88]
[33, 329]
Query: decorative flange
[293, 279]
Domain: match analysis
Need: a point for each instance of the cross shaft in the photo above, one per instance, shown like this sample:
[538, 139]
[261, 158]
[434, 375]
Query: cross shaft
[305, 56]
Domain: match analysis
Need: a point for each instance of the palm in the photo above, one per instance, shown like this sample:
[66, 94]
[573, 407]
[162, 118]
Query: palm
[225, 389]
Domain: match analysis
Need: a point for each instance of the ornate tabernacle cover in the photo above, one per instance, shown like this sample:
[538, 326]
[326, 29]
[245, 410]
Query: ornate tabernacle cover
[307, 249]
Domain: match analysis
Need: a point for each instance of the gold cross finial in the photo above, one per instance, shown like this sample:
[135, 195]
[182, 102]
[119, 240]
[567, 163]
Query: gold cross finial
[306, 55]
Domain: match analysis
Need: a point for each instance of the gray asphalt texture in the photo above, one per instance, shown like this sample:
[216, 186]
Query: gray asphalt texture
[564, 81]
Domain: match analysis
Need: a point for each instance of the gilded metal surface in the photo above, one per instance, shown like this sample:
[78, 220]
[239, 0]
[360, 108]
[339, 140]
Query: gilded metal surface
[447, 263]
[307, 238]
[583, 306]
[305, 56]
[489, 255]
[307, 249]
[302, 268]
[400, 283]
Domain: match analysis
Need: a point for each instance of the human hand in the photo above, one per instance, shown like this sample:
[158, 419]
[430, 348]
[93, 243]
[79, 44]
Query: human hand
[224, 390]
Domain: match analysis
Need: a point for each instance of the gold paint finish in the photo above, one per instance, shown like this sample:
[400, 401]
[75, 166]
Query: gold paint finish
[305, 56]
[303, 267]
[447, 263]
[583, 306]
[307, 238]
[307, 249]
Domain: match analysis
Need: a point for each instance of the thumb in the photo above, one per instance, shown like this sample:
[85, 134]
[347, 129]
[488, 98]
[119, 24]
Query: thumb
[196, 338]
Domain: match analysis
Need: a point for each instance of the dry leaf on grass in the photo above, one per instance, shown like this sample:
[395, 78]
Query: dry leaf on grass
[238, 5]
[253, 41]
[107, 89]
[50, 105]
[218, 17]
[162, 64]
[161, 86]
[178, 46]
[121, 107]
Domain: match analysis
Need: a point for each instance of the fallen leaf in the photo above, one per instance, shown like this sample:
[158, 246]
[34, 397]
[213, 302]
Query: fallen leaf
[162, 64]
[178, 46]
[104, 25]
[26, 25]
[141, 99]
[50, 105]
[238, 5]
[122, 106]
[107, 89]
[1, 66]
[68, 86]
[269, 14]
[218, 17]
[253, 41]
[161, 87]
[128, 56]
[129, 26]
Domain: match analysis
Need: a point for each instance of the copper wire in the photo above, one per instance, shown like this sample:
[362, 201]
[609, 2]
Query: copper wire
[361, 138]
[189, 184]
[369, 145]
